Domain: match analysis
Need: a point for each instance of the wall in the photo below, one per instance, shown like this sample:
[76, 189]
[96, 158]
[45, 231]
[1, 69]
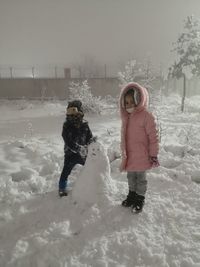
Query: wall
[53, 87]
[36, 88]
[176, 86]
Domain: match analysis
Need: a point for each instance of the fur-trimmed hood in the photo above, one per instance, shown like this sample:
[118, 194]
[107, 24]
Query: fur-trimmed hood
[141, 98]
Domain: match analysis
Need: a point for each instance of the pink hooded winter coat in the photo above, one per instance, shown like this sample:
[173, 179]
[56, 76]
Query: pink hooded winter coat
[139, 138]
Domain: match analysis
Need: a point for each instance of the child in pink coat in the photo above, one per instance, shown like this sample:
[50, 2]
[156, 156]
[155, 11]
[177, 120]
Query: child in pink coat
[139, 142]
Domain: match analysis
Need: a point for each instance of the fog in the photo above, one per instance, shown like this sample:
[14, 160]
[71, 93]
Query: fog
[107, 31]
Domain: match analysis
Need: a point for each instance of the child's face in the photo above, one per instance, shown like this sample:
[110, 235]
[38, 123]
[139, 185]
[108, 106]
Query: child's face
[129, 103]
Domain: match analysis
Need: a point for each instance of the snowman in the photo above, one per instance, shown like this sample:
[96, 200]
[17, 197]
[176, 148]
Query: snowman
[94, 184]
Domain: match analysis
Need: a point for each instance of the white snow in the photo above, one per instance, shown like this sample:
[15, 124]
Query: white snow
[94, 184]
[89, 227]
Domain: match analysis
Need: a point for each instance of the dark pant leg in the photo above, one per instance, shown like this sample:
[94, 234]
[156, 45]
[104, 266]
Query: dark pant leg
[69, 163]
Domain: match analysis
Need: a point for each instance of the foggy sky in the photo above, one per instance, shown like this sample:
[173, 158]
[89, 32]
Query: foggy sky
[63, 31]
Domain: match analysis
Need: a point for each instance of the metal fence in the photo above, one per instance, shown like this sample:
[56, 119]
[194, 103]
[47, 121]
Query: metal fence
[101, 71]
[31, 72]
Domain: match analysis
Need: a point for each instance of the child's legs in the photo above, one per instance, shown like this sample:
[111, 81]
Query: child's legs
[131, 176]
[69, 164]
[141, 184]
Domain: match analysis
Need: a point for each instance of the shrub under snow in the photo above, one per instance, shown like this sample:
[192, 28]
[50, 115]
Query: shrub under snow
[82, 92]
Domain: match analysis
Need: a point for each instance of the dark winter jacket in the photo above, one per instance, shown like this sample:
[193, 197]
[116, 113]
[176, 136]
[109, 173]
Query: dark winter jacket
[76, 138]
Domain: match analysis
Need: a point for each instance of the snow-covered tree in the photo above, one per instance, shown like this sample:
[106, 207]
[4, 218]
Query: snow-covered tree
[147, 79]
[74, 89]
[82, 91]
[130, 72]
[187, 49]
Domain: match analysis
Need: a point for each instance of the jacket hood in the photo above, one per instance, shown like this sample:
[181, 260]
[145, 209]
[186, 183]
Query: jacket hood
[141, 97]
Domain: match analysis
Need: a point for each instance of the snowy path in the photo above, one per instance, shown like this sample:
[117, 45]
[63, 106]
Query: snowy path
[166, 232]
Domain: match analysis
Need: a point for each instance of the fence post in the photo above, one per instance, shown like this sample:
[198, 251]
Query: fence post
[33, 74]
[56, 74]
[11, 72]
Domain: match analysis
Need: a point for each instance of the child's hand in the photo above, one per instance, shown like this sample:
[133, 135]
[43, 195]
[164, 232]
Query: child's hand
[83, 151]
[154, 161]
[93, 139]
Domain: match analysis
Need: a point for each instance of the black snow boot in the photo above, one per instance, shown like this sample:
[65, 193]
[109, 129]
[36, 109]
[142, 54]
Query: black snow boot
[139, 203]
[62, 193]
[130, 200]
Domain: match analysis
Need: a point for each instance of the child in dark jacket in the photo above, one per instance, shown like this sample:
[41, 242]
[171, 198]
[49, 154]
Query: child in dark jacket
[76, 135]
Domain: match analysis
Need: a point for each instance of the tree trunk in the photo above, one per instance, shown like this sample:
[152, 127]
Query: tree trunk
[184, 93]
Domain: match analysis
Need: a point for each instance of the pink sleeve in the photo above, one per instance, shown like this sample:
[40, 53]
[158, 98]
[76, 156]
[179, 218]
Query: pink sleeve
[152, 132]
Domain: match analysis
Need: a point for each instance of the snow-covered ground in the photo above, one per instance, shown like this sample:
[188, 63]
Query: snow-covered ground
[37, 228]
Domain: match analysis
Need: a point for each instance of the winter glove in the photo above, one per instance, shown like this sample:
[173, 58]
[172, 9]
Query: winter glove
[93, 139]
[154, 161]
[83, 151]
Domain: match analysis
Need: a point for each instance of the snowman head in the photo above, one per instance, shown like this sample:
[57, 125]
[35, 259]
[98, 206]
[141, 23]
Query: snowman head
[97, 160]
[96, 151]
